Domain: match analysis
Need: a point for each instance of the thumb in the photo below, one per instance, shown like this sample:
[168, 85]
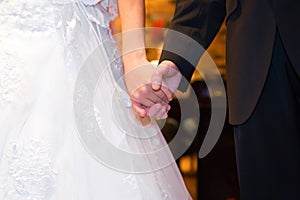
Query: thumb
[157, 77]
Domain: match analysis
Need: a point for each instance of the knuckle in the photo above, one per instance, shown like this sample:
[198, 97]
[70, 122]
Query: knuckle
[145, 89]
[136, 95]
[161, 94]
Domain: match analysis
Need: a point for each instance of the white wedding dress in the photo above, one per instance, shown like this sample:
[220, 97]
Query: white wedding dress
[67, 131]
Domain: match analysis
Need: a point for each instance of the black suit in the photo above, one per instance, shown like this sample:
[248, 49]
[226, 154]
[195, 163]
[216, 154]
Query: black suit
[263, 68]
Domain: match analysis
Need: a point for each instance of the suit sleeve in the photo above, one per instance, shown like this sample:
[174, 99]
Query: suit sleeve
[199, 20]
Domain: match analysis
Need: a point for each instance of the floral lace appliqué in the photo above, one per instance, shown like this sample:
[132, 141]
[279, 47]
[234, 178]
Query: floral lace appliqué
[30, 16]
[31, 171]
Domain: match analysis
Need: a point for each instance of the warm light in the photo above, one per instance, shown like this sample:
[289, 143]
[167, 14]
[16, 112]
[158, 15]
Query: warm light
[188, 163]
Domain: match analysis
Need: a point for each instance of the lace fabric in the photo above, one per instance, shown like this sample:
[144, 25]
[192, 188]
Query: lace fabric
[51, 39]
[46, 17]
[110, 5]
[10, 78]
[31, 174]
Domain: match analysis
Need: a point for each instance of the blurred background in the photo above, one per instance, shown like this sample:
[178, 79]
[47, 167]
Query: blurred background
[215, 176]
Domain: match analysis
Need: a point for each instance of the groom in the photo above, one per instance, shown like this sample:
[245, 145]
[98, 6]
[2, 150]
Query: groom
[263, 80]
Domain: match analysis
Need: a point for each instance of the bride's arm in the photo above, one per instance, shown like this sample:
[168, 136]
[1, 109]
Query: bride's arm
[137, 68]
[132, 14]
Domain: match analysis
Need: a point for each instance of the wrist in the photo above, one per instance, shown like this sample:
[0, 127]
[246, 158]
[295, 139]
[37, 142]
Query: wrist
[134, 59]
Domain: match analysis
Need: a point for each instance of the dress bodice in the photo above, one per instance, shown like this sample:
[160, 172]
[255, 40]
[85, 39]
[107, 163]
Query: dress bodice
[68, 20]
[45, 15]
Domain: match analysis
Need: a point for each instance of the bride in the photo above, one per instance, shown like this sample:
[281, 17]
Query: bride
[60, 72]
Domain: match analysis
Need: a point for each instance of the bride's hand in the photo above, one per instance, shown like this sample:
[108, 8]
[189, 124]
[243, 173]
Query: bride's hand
[145, 101]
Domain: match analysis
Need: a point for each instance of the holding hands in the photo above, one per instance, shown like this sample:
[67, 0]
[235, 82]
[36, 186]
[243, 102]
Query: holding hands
[151, 96]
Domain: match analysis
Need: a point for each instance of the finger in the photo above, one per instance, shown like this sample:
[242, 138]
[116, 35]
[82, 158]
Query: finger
[159, 111]
[157, 77]
[162, 96]
[157, 80]
[165, 112]
[154, 110]
[165, 116]
[142, 101]
[139, 110]
[162, 114]
[149, 97]
[146, 93]
[167, 92]
[143, 96]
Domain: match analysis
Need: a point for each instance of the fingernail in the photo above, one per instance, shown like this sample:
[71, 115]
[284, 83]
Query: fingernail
[169, 107]
[155, 86]
[165, 116]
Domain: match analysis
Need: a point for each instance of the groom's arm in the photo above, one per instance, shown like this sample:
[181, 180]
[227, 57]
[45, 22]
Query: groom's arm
[200, 20]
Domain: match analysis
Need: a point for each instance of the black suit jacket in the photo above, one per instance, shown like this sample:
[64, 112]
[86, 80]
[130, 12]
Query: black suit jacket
[251, 27]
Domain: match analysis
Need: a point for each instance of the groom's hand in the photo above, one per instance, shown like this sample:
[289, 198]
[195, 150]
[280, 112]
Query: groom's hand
[165, 80]
[138, 74]
[149, 102]
[167, 76]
